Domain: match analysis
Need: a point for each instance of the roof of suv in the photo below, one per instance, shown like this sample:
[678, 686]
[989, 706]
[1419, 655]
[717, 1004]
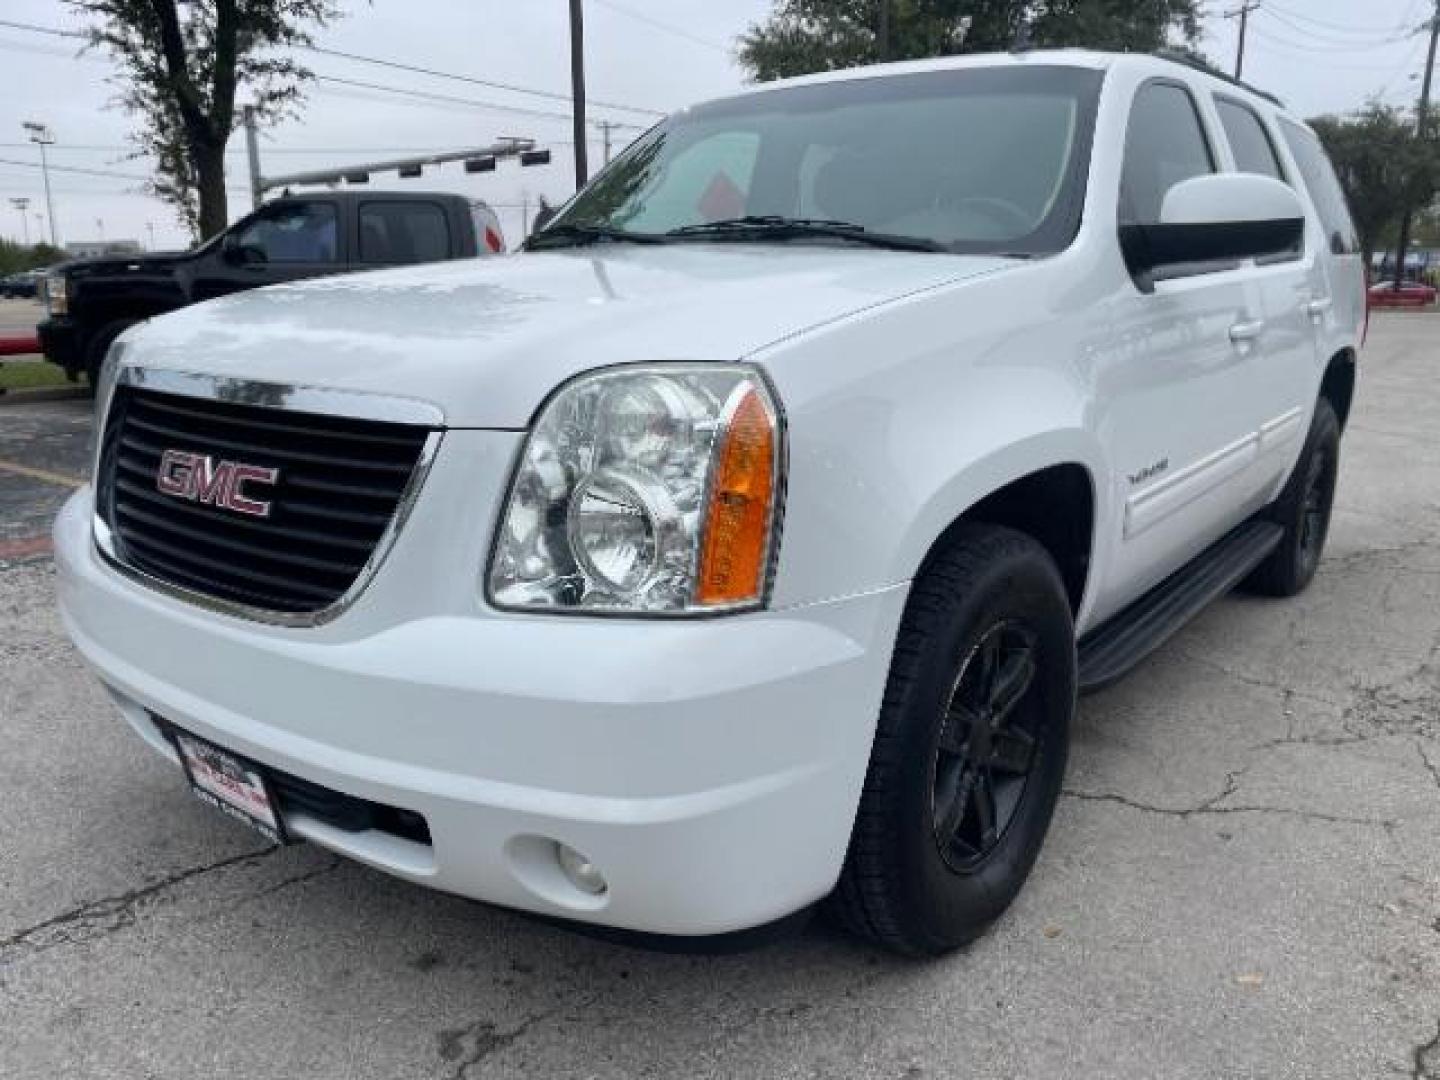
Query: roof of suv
[1085, 58]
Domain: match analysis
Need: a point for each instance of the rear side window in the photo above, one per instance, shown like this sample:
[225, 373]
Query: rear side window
[1324, 188]
[403, 232]
[1249, 141]
[1164, 145]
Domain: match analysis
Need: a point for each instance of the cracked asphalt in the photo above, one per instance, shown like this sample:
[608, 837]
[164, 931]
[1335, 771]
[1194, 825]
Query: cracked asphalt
[1243, 879]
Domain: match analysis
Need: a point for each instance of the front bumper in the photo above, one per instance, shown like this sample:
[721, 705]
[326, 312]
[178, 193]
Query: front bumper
[60, 341]
[710, 768]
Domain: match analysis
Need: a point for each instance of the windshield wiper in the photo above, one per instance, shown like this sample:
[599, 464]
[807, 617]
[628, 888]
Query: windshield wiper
[576, 235]
[777, 227]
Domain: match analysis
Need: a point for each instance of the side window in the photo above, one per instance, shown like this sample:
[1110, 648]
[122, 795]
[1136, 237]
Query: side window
[403, 232]
[293, 233]
[1249, 141]
[1324, 188]
[1164, 145]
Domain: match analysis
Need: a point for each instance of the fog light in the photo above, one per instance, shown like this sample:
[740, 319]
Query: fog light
[583, 874]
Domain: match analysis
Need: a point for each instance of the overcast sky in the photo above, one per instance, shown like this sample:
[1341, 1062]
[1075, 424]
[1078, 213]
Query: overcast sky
[1319, 55]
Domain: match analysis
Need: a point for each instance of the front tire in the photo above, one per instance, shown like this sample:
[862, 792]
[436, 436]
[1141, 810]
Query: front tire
[100, 345]
[970, 747]
[1303, 510]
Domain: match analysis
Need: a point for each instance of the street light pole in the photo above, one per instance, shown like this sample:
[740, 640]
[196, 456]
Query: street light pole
[42, 137]
[577, 90]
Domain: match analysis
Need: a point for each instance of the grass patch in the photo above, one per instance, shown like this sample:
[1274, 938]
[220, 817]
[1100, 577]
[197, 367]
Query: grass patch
[30, 375]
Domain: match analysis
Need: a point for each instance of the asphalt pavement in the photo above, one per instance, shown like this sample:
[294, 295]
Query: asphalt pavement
[19, 316]
[1243, 878]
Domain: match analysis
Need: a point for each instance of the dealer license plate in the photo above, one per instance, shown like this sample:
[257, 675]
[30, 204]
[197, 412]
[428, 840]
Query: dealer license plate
[230, 784]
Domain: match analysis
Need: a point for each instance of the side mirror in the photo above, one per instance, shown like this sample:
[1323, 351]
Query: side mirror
[1222, 217]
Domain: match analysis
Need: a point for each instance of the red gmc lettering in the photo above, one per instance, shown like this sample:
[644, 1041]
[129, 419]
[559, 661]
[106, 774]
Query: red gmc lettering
[200, 478]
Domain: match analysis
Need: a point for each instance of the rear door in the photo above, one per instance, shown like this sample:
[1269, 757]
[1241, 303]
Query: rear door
[1340, 270]
[298, 238]
[399, 232]
[1284, 369]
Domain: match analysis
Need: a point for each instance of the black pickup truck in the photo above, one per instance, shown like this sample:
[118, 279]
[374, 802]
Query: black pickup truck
[90, 301]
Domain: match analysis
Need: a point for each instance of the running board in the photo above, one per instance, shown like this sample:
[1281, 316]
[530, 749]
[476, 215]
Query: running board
[1122, 641]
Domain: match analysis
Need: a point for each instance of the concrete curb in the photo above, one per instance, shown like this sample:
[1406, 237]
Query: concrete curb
[43, 393]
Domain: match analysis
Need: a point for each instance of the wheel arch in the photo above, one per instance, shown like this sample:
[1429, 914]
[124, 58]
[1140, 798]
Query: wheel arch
[1338, 384]
[1048, 489]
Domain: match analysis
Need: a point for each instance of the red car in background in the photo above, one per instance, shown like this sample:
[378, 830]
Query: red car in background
[1410, 294]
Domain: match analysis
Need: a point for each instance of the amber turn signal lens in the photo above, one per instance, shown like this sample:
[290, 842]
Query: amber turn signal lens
[742, 496]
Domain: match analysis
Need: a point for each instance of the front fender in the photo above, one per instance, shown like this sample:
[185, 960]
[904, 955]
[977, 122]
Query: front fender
[902, 420]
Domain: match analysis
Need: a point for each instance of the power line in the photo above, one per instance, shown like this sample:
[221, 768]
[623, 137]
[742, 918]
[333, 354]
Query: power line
[1325, 25]
[1339, 44]
[551, 95]
[77, 170]
[663, 26]
[395, 64]
[448, 99]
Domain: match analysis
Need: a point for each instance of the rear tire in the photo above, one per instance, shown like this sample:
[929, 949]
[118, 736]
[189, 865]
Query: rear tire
[970, 747]
[1303, 510]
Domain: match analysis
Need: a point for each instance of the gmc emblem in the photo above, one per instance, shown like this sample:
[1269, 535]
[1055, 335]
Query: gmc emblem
[200, 478]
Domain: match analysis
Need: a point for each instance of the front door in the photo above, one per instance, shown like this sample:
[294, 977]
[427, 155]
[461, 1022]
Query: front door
[1175, 398]
[290, 240]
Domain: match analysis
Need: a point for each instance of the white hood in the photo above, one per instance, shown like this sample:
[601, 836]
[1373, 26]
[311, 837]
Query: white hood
[487, 339]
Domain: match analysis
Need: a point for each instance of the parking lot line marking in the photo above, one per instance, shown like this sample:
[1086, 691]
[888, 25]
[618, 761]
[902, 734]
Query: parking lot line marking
[23, 549]
[45, 475]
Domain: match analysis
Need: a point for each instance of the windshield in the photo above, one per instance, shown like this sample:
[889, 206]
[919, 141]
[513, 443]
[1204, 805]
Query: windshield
[977, 160]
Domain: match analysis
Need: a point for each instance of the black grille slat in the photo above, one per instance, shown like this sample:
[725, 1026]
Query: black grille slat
[340, 484]
[279, 456]
[256, 551]
[206, 564]
[189, 511]
[251, 423]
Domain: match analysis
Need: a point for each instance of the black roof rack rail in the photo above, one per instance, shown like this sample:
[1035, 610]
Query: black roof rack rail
[1197, 64]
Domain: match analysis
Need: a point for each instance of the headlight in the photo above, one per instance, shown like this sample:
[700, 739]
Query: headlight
[57, 298]
[648, 490]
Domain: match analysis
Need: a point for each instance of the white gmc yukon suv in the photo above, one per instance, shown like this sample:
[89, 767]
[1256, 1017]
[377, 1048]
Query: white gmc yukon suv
[743, 542]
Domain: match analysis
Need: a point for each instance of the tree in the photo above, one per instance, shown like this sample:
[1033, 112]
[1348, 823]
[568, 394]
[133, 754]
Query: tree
[182, 62]
[16, 257]
[1383, 166]
[802, 36]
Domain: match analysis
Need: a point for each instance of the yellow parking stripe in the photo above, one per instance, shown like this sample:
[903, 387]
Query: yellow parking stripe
[42, 474]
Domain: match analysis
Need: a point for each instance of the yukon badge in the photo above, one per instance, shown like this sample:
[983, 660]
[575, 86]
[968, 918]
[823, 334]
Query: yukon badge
[200, 478]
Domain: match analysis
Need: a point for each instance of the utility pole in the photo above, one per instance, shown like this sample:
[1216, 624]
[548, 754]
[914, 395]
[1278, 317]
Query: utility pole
[22, 205]
[252, 151]
[1422, 124]
[606, 127]
[42, 137]
[883, 37]
[577, 90]
[1243, 14]
[150, 231]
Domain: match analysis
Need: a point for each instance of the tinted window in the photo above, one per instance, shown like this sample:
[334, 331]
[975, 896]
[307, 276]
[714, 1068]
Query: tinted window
[1164, 145]
[978, 160]
[295, 232]
[403, 232]
[1249, 141]
[1324, 188]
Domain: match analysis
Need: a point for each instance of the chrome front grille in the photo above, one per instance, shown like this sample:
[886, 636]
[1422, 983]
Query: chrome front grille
[269, 511]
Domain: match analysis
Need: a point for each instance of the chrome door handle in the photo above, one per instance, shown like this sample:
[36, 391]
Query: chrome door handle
[1317, 307]
[1247, 331]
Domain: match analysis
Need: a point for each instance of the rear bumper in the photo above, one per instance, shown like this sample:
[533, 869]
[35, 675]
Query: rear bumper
[710, 769]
